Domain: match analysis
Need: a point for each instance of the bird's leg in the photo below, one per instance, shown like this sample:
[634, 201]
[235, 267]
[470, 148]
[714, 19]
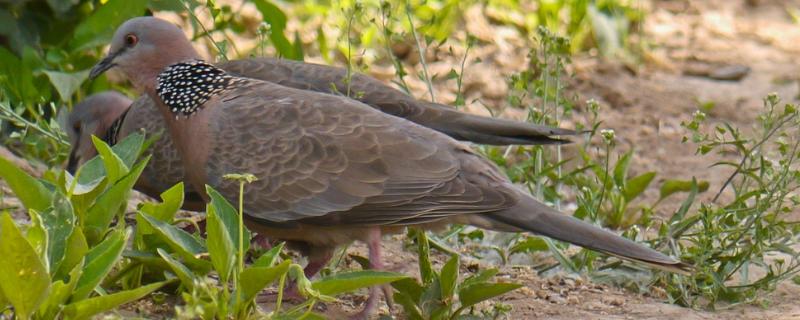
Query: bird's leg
[375, 263]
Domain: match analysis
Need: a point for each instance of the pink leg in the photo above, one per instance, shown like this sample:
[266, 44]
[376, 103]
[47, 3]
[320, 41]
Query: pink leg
[375, 263]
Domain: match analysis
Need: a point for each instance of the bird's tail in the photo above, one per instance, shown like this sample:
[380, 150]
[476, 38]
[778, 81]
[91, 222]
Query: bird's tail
[536, 217]
[495, 131]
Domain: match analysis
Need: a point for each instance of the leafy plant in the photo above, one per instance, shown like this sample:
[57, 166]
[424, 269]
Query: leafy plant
[442, 295]
[55, 267]
[729, 240]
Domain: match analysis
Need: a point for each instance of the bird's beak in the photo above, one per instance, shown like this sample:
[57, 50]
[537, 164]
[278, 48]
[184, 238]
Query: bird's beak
[103, 65]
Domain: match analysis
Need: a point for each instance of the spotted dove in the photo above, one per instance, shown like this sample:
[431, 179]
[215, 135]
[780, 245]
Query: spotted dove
[331, 170]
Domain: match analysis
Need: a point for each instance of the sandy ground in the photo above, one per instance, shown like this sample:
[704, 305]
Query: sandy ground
[645, 105]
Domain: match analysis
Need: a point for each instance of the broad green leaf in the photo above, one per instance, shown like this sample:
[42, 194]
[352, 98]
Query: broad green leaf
[23, 277]
[99, 27]
[90, 176]
[114, 166]
[449, 277]
[481, 277]
[37, 237]
[229, 217]
[351, 281]
[252, 280]
[269, 258]
[171, 202]
[183, 243]
[60, 294]
[99, 261]
[130, 148]
[32, 193]
[220, 247]
[59, 220]
[671, 187]
[474, 294]
[529, 244]
[184, 274]
[110, 203]
[66, 83]
[85, 309]
[74, 251]
[409, 287]
[93, 171]
[636, 185]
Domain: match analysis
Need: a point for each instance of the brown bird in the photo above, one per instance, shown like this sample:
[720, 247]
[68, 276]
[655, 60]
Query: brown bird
[331, 170]
[97, 115]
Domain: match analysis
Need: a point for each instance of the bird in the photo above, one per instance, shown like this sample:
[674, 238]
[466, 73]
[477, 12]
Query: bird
[96, 115]
[331, 170]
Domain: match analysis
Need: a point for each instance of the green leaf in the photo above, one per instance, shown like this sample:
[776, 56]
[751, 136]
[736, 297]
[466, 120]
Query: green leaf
[23, 277]
[229, 217]
[351, 281]
[621, 168]
[60, 294]
[110, 203]
[184, 274]
[59, 220]
[130, 148]
[425, 267]
[93, 171]
[671, 187]
[76, 248]
[220, 246]
[474, 294]
[183, 243]
[66, 83]
[529, 244]
[635, 186]
[37, 237]
[85, 309]
[114, 166]
[277, 21]
[99, 261]
[32, 193]
[270, 257]
[449, 277]
[171, 202]
[98, 28]
[481, 277]
[252, 280]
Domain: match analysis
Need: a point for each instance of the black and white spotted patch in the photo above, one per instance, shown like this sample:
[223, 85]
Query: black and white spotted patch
[185, 86]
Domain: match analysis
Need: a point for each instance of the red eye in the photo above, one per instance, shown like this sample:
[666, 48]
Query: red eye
[131, 40]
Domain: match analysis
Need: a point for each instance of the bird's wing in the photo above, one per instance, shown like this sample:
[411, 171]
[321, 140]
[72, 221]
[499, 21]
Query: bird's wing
[334, 80]
[332, 160]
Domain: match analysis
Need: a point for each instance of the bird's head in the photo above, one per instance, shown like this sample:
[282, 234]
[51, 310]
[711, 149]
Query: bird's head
[142, 47]
[92, 116]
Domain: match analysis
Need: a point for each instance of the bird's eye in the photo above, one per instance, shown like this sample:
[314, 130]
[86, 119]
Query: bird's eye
[131, 40]
[77, 127]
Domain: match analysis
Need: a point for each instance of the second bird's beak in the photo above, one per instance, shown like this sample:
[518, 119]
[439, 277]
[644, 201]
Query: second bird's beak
[103, 65]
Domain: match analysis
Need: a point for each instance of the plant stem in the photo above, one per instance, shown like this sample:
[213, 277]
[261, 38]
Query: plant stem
[420, 52]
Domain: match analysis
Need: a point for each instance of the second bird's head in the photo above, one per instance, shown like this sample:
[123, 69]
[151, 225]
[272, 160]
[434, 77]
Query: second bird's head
[142, 47]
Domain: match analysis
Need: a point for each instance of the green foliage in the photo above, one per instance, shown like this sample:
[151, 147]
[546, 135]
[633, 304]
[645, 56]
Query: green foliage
[52, 271]
[747, 229]
[442, 295]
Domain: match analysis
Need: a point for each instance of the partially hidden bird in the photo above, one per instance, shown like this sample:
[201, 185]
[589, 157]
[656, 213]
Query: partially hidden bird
[330, 169]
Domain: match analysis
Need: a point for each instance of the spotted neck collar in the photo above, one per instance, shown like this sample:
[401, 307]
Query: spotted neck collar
[186, 86]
